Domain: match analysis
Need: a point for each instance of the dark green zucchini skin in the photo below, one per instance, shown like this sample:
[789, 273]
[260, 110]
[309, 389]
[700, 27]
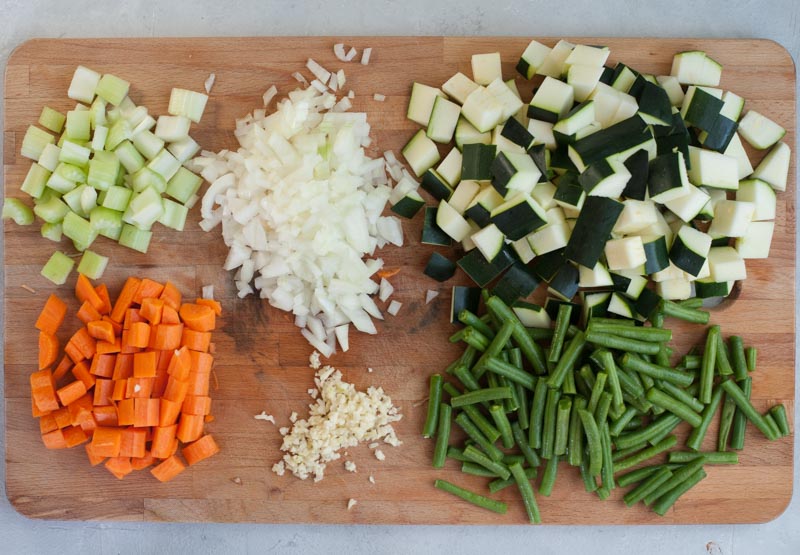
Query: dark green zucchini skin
[432, 234]
[638, 165]
[436, 185]
[464, 298]
[481, 271]
[476, 161]
[647, 302]
[592, 229]
[440, 267]
[518, 282]
[657, 255]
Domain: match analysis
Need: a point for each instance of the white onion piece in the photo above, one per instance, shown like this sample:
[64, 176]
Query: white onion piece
[269, 95]
[351, 54]
[342, 336]
[430, 295]
[394, 308]
[338, 51]
[379, 97]
[365, 56]
[208, 292]
[385, 290]
[209, 83]
[319, 72]
[340, 78]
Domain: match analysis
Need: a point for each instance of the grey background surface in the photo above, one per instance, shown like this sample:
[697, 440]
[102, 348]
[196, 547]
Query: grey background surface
[25, 19]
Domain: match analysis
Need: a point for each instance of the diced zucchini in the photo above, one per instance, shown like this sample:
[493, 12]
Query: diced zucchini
[726, 264]
[477, 161]
[756, 241]
[564, 284]
[420, 104]
[622, 306]
[523, 250]
[625, 253]
[569, 194]
[761, 195]
[467, 134]
[774, 168]
[532, 59]
[515, 132]
[690, 249]
[489, 241]
[672, 87]
[668, 178]
[432, 234]
[480, 270]
[736, 150]
[552, 100]
[544, 193]
[625, 137]
[451, 222]
[636, 216]
[409, 205]
[553, 63]
[464, 298]
[605, 178]
[459, 86]
[542, 132]
[420, 152]
[760, 131]
[463, 195]
[701, 107]
[482, 109]
[439, 267]
[518, 282]
[583, 79]
[656, 252]
[531, 315]
[689, 206]
[731, 218]
[486, 68]
[713, 169]
[696, 68]
[479, 210]
[654, 104]
[629, 283]
[595, 277]
[588, 55]
[549, 238]
[510, 101]
[518, 216]
[706, 288]
[450, 167]
[594, 225]
[514, 173]
[443, 120]
[576, 119]
[674, 289]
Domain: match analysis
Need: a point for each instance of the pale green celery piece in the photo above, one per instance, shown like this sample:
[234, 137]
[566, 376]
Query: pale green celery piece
[59, 183]
[58, 268]
[119, 131]
[117, 198]
[174, 216]
[51, 231]
[49, 157]
[34, 141]
[70, 172]
[134, 238]
[112, 89]
[129, 157]
[145, 208]
[103, 170]
[15, 209]
[164, 164]
[145, 178]
[148, 144]
[99, 138]
[92, 265]
[184, 150]
[52, 119]
[75, 154]
[51, 210]
[73, 200]
[98, 112]
[88, 199]
[187, 103]
[79, 127]
[78, 229]
[35, 181]
[104, 219]
[183, 185]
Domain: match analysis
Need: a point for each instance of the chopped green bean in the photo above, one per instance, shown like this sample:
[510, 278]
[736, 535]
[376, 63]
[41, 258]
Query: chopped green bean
[530, 349]
[738, 360]
[475, 339]
[493, 348]
[740, 419]
[681, 395]
[456, 454]
[657, 335]
[592, 441]
[471, 497]
[635, 423]
[655, 371]
[668, 499]
[621, 343]
[607, 471]
[678, 476]
[539, 334]
[568, 387]
[693, 302]
[618, 425]
[469, 467]
[537, 414]
[778, 413]
[620, 454]
[589, 482]
[522, 442]
[479, 457]
[709, 365]
[522, 412]
[710, 457]
[575, 441]
[772, 424]
[463, 375]
[630, 383]
[748, 409]
[434, 400]
[501, 422]
[649, 485]
[500, 484]
[750, 355]
[562, 426]
[724, 367]
[567, 361]
[469, 319]
[726, 423]
[481, 395]
[645, 454]
[606, 360]
[675, 310]
[475, 434]
[692, 362]
[695, 440]
[549, 476]
[559, 332]
[508, 370]
[664, 422]
[640, 474]
[549, 426]
[526, 491]
[601, 413]
[442, 435]
[671, 404]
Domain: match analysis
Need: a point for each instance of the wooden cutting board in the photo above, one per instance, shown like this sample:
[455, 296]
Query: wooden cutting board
[262, 359]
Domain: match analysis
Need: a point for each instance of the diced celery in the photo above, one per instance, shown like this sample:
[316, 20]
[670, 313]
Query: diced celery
[103, 170]
[98, 113]
[145, 208]
[119, 131]
[107, 222]
[112, 89]
[34, 141]
[92, 265]
[49, 157]
[71, 172]
[184, 150]
[164, 164]
[192, 201]
[187, 103]
[81, 107]
[113, 115]
[79, 127]
[174, 215]
[78, 229]
[83, 85]
[52, 210]
[129, 156]
[52, 119]
[15, 209]
[126, 107]
[145, 125]
[35, 181]
[145, 178]
[99, 138]
[59, 183]
[58, 268]
[73, 200]
[148, 144]
[51, 231]
[183, 185]
[172, 128]
[73, 153]
[133, 238]
[88, 199]
[136, 116]
[117, 198]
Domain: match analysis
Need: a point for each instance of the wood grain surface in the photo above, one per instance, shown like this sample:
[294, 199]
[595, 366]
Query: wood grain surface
[262, 359]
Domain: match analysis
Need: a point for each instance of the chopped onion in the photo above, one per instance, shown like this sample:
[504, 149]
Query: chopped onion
[342, 336]
[208, 292]
[351, 94]
[379, 97]
[269, 95]
[385, 290]
[210, 82]
[340, 78]
[430, 295]
[333, 83]
[394, 308]
[338, 51]
[319, 85]
[319, 72]
[365, 56]
[299, 77]
[350, 54]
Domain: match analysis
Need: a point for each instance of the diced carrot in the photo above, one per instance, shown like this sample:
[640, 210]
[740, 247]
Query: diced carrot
[103, 391]
[106, 415]
[197, 405]
[81, 372]
[145, 412]
[164, 359]
[144, 364]
[163, 436]
[119, 466]
[209, 418]
[48, 349]
[88, 313]
[103, 365]
[80, 409]
[123, 367]
[180, 365]
[125, 299]
[197, 317]
[132, 315]
[138, 335]
[36, 412]
[147, 288]
[140, 463]
[52, 315]
[176, 390]
[167, 337]
[102, 292]
[120, 389]
[160, 384]
[101, 330]
[168, 412]
[63, 417]
[71, 392]
[190, 427]
[196, 340]
[170, 315]
[389, 272]
[201, 362]
[89, 425]
[106, 348]
[73, 436]
[41, 379]
[85, 291]
[94, 460]
[63, 367]
[54, 440]
[215, 305]
[125, 414]
[151, 310]
[125, 348]
[106, 442]
[171, 295]
[168, 469]
[198, 383]
[47, 423]
[201, 449]
[141, 388]
[73, 352]
[43, 391]
[83, 341]
[133, 443]
[116, 325]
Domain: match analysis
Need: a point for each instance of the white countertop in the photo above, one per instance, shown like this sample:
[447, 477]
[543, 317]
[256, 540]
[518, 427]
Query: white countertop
[25, 19]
